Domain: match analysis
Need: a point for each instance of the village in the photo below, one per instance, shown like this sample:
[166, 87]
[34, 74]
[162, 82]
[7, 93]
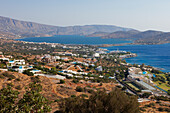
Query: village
[88, 64]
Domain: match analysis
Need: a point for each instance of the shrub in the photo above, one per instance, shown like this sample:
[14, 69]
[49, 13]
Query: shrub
[62, 81]
[1, 76]
[35, 79]
[10, 77]
[73, 95]
[79, 89]
[84, 95]
[101, 102]
[90, 91]
[57, 100]
[27, 72]
[18, 79]
[75, 81]
[142, 109]
[100, 84]
[10, 84]
[167, 109]
[160, 109]
[18, 87]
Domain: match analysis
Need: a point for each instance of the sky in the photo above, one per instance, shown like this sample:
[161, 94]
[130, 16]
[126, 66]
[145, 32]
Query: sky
[138, 14]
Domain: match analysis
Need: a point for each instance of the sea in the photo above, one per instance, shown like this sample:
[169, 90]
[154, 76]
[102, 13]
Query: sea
[153, 55]
[75, 39]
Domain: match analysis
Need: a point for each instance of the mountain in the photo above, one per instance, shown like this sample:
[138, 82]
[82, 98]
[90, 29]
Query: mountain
[98, 34]
[146, 37]
[147, 34]
[153, 38]
[31, 29]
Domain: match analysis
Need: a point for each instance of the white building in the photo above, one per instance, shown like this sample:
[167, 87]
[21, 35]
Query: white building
[96, 55]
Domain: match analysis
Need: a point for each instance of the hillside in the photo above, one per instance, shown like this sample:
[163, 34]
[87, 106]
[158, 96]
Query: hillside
[122, 34]
[146, 37]
[31, 29]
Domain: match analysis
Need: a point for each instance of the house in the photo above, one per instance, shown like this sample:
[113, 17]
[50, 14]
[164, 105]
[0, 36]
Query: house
[64, 58]
[111, 77]
[20, 69]
[3, 70]
[37, 72]
[96, 55]
[19, 62]
[99, 68]
[2, 57]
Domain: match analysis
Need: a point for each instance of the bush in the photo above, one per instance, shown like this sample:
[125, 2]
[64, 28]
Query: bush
[27, 72]
[100, 84]
[62, 81]
[10, 84]
[75, 81]
[79, 89]
[10, 77]
[90, 91]
[73, 96]
[101, 102]
[18, 79]
[142, 109]
[57, 100]
[18, 87]
[1, 76]
[84, 95]
[167, 109]
[35, 79]
[160, 109]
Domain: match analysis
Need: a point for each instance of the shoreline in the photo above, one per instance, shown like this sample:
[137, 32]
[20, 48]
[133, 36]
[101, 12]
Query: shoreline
[99, 46]
[156, 68]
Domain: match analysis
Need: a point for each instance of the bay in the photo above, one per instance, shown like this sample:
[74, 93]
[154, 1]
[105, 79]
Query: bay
[74, 39]
[154, 55]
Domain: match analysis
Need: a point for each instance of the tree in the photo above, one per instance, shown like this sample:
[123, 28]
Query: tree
[79, 89]
[32, 100]
[62, 81]
[101, 102]
[7, 100]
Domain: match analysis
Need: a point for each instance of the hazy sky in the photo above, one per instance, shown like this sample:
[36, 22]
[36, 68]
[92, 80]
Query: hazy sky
[138, 14]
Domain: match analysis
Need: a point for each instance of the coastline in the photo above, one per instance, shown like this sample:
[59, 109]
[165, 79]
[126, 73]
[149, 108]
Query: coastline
[154, 67]
[102, 45]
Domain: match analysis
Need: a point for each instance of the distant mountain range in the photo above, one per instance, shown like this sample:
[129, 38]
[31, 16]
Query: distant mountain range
[31, 29]
[11, 28]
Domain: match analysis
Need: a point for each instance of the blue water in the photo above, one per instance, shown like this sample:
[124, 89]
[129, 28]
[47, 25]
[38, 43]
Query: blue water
[154, 55]
[144, 72]
[72, 39]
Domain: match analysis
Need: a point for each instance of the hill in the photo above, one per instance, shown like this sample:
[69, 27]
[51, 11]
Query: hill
[146, 37]
[122, 34]
[30, 29]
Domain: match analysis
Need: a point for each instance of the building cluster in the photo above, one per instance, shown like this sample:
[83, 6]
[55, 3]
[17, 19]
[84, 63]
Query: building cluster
[143, 80]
